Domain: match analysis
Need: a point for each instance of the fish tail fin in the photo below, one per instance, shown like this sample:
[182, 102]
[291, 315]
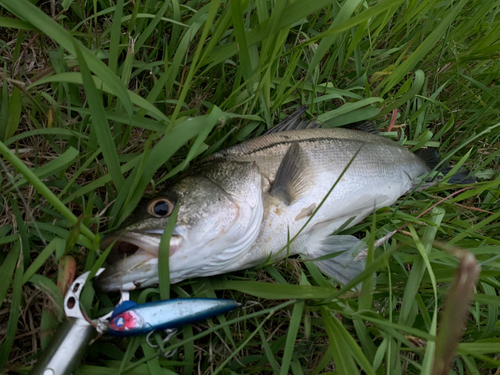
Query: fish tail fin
[461, 177]
[432, 158]
[340, 257]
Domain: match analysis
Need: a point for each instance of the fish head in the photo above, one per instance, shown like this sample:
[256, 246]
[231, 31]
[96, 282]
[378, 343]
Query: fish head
[215, 210]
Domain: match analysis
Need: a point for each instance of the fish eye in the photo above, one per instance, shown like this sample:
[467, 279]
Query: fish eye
[161, 207]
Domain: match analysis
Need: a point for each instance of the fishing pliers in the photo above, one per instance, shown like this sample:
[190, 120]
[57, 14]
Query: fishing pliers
[128, 318]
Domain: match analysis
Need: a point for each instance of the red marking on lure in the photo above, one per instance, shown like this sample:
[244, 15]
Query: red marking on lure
[126, 321]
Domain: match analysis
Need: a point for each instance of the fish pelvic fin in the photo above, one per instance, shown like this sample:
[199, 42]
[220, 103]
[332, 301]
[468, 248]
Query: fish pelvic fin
[294, 176]
[340, 257]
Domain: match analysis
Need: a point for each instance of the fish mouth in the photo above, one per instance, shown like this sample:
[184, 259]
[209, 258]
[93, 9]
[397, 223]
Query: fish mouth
[133, 260]
[127, 244]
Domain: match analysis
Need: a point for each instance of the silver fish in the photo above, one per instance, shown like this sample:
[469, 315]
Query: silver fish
[239, 207]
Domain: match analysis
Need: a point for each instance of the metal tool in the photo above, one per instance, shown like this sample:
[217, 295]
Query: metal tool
[68, 346]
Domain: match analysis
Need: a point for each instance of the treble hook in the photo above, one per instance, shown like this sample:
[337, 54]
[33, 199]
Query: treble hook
[170, 333]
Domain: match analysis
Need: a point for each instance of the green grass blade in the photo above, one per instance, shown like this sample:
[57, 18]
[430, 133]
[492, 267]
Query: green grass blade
[344, 362]
[15, 308]
[274, 291]
[417, 272]
[100, 123]
[41, 259]
[15, 105]
[237, 350]
[164, 255]
[30, 13]
[114, 42]
[291, 338]
[348, 8]
[42, 189]
[15, 24]
[55, 166]
[423, 48]
[214, 5]
[98, 82]
[239, 32]
[8, 268]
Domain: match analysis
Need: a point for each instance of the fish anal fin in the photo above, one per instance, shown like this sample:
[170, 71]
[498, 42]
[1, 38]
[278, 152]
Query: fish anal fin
[294, 176]
[340, 257]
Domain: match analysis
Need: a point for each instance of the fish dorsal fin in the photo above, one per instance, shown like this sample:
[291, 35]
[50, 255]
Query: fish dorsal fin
[294, 176]
[295, 122]
[364, 126]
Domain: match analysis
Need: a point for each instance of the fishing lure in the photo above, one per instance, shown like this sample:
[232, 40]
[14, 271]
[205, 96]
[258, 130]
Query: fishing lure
[68, 345]
[130, 319]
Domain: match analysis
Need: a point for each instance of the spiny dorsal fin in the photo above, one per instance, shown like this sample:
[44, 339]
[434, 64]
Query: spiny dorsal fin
[295, 122]
[294, 176]
[364, 126]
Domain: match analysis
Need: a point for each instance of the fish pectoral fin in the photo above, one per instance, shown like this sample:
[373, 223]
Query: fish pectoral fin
[340, 257]
[294, 176]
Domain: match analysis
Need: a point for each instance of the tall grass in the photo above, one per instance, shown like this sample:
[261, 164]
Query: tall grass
[102, 101]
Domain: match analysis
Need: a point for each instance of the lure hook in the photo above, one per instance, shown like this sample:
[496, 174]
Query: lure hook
[170, 333]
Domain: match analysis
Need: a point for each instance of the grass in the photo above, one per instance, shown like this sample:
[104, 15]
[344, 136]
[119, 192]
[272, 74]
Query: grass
[102, 101]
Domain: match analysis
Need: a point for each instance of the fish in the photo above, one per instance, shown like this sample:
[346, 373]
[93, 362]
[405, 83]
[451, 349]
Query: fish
[240, 206]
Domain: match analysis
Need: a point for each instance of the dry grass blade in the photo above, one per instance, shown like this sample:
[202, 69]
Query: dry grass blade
[456, 311]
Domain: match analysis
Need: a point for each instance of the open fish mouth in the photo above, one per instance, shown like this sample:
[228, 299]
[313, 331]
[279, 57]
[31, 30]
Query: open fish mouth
[133, 260]
[127, 244]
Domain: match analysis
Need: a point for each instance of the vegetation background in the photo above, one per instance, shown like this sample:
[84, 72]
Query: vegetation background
[103, 100]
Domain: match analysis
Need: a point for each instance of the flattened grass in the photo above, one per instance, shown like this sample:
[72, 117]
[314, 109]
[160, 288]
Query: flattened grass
[102, 101]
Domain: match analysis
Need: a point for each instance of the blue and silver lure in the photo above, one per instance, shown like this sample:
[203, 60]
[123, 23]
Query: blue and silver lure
[130, 319]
